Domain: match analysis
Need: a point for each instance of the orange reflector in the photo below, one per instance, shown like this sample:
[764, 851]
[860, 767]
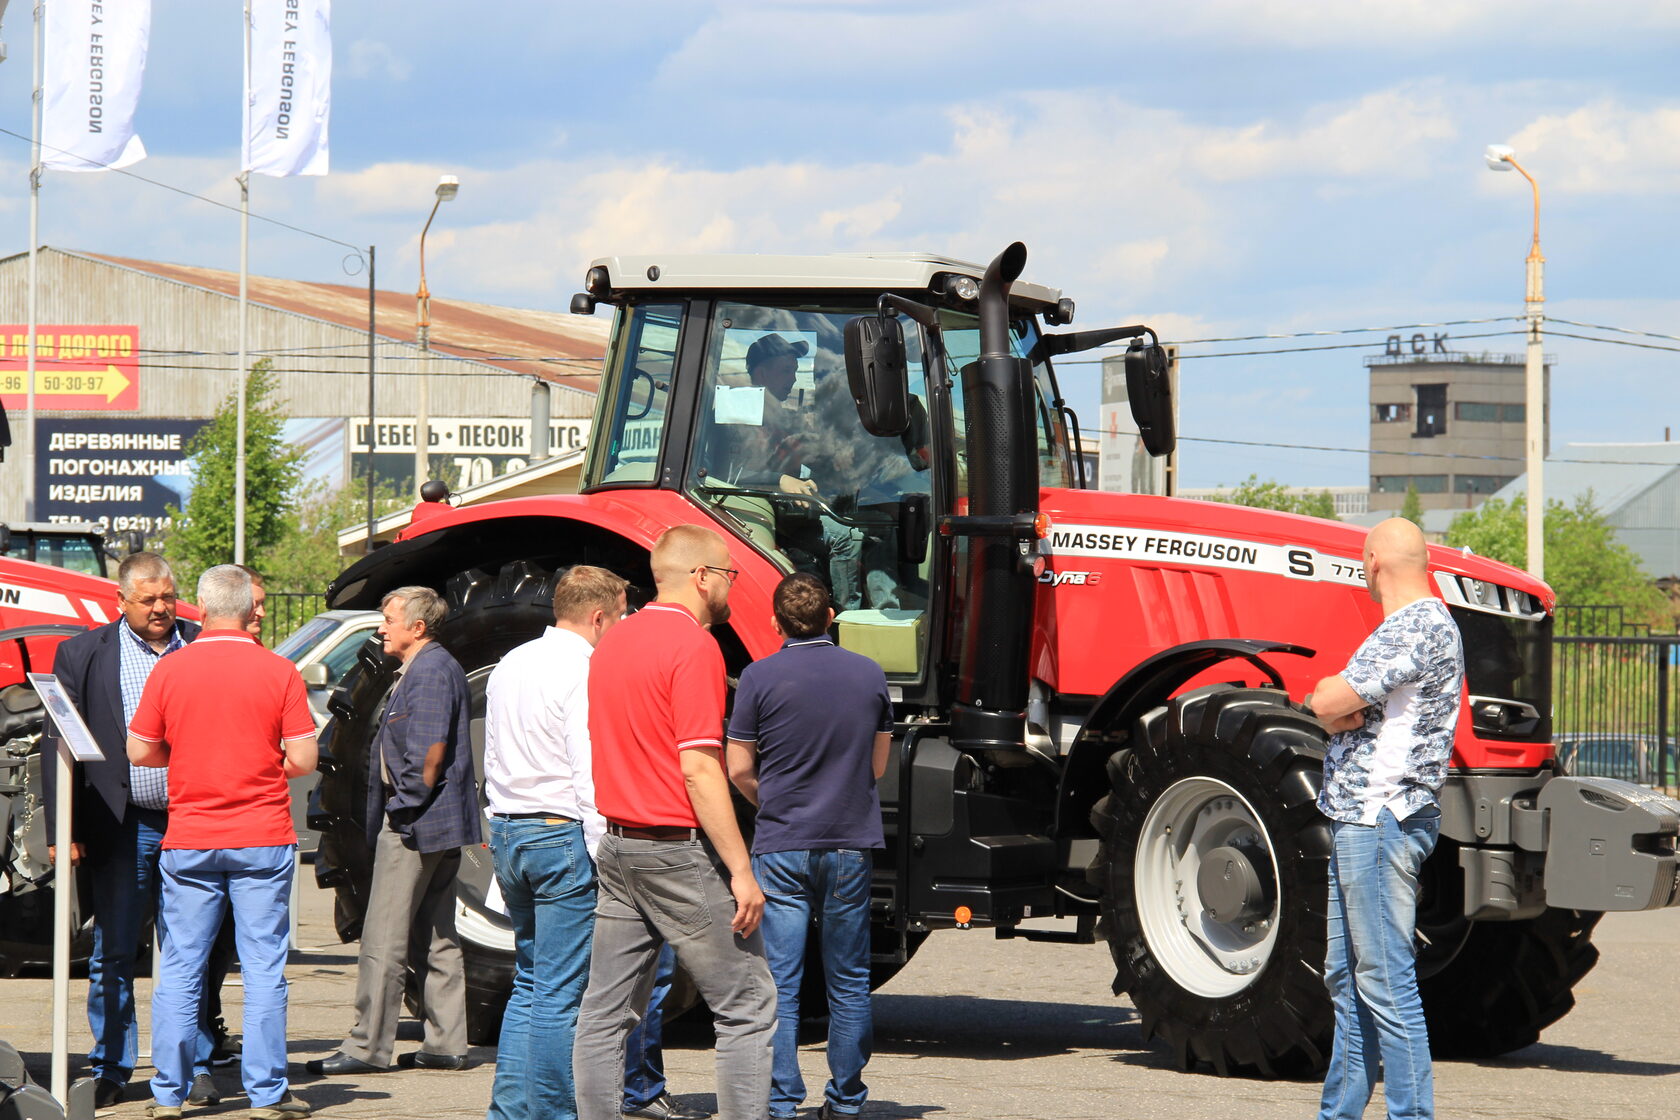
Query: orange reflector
[1041, 525]
[963, 915]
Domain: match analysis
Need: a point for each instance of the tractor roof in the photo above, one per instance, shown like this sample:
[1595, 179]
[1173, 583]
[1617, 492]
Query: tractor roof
[873, 272]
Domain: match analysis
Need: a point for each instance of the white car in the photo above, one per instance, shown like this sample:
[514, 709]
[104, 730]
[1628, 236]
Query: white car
[323, 649]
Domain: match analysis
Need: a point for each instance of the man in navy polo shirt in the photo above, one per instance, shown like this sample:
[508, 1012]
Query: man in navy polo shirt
[807, 741]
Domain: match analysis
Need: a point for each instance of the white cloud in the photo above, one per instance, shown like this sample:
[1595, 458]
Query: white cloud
[1108, 195]
[1603, 147]
[369, 58]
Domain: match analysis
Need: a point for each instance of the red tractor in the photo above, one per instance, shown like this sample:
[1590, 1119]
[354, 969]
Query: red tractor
[1093, 690]
[40, 606]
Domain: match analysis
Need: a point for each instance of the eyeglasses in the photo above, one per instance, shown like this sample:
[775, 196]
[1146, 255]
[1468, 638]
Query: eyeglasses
[730, 574]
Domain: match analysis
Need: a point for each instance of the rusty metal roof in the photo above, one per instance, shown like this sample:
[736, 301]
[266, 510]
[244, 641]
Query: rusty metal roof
[558, 347]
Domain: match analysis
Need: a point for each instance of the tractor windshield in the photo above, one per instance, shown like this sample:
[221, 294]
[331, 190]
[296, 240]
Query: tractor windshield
[781, 454]
[961, 333]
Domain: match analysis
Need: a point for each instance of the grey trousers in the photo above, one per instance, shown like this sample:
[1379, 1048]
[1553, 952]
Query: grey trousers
[410, 917]
[652, 892]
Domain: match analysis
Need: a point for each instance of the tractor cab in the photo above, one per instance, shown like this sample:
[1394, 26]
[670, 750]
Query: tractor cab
[729, 379]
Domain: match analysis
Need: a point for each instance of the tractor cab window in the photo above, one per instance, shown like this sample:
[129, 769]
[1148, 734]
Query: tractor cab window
[637, 382]
[781, 456]
[961, 334]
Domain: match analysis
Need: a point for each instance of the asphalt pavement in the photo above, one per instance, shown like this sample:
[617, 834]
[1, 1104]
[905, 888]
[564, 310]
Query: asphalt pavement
[979, 1028]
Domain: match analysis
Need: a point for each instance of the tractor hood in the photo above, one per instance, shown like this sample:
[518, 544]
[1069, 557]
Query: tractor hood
[1218, 535]
[1127, 576]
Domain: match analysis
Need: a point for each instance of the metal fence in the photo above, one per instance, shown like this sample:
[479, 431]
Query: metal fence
[1616, 697]
[285, 611]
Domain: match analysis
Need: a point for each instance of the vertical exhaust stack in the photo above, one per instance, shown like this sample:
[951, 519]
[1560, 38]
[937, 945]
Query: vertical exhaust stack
[997, 585]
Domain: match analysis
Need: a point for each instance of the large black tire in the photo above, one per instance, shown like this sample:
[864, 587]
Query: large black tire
[1509, 982]
[1239, 770]
[488, 616]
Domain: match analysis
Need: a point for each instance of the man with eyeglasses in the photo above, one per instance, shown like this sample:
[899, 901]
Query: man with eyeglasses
[120, 811]
[672, 867]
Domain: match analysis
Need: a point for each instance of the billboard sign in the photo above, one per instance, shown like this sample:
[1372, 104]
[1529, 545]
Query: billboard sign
[77, 368]
[478, 448]
[123, 475]
[1123, 466]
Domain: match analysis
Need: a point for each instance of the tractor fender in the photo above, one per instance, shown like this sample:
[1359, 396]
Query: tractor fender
[615, 529]
[1148, 685]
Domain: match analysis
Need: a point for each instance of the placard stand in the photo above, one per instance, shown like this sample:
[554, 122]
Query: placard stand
[75, 743]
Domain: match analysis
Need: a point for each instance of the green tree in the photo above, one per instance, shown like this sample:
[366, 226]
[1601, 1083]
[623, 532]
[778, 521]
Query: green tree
[306, 558]
[1585, 563]
[1320, 504]
[202, 534]
[1272, 494]
[1412, 508]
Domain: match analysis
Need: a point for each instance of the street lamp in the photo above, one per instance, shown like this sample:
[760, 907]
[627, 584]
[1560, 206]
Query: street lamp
[448, 186]
[1501, 158]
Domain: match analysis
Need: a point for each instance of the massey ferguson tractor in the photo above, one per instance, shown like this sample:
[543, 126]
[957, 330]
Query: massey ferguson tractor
[1096, 694]
[40, 606]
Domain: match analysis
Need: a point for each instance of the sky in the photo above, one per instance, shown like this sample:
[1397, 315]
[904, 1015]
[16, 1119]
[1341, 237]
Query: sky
[1215, 168]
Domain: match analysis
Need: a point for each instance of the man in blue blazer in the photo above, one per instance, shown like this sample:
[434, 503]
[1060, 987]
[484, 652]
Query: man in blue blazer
[119, 812]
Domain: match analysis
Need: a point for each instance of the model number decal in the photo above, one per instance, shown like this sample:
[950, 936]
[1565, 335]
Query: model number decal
[1115, 543]
[1078, 579]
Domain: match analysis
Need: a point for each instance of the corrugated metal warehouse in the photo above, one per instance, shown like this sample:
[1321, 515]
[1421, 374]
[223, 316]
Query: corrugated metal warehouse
[134, 355]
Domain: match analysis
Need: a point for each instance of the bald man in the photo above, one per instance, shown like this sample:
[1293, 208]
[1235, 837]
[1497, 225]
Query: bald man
[1392, 713]
[672, 868]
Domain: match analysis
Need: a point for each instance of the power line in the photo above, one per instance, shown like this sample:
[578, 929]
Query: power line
[1345, 330]
[1618, 341]
[1428, 454]
[1617, 330]
[1291, 349]
[357, 249]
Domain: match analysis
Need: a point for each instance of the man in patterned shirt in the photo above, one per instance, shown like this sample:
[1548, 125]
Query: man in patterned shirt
[1392, 713]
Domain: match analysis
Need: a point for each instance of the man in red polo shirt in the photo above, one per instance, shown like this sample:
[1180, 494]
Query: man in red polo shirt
[672, 867]
[231, 722]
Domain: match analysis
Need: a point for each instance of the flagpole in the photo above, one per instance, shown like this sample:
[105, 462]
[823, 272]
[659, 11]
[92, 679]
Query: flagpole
[372, 441]
[34, 288]
[64, 874]
[240, 373]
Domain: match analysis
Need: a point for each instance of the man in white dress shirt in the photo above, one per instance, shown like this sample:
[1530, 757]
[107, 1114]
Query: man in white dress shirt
[543, 833]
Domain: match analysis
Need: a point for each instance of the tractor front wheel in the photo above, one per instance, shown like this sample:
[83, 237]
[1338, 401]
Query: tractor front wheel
[1213, 873]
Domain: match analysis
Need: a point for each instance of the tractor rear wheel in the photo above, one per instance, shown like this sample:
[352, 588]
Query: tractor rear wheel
[1213, 873]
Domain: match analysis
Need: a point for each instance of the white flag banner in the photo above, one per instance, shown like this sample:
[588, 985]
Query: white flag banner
[288, 87]
[94, 61]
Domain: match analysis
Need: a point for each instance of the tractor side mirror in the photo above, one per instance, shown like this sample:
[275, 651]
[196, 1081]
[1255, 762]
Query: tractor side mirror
[1149, 387]
[315, 675]
[5, 540]
[878, 375]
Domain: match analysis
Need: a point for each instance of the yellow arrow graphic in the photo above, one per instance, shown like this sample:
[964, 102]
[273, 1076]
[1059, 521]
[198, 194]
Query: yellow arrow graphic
[108, 382]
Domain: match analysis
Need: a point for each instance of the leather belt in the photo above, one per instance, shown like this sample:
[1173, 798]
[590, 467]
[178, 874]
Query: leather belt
[557, 818]
[652, 832]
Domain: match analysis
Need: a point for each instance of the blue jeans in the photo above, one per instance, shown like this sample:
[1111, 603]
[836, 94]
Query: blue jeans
[198, 887]
[548, 884]
[1371, 968]
[831, 885]
[124, 888]
[644, 1061]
